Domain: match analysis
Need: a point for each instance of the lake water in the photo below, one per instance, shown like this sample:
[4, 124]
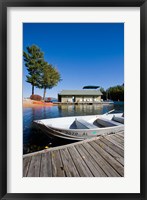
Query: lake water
[34, 139]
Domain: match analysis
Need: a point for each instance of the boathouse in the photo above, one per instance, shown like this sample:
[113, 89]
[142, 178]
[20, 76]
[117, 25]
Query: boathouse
[79, 96]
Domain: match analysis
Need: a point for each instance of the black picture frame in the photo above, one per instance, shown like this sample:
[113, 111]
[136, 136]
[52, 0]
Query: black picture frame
[4, 4]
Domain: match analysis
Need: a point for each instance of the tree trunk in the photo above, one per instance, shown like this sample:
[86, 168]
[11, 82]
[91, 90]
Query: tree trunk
[32, 89]
[44, 93]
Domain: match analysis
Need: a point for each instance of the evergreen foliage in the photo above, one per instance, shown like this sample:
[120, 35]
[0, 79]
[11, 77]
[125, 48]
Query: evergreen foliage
[49, 77]
[33, 58]
[40, 73]
[103, 93]
[116, 93]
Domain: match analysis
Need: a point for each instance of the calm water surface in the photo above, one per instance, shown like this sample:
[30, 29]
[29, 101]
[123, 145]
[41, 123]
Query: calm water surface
[34, 139]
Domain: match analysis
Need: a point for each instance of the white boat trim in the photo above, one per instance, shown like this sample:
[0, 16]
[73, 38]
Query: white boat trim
[58, 127]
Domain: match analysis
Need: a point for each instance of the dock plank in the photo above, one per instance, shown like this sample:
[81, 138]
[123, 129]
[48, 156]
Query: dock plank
[110, 151]
[57, 166]
[101, 156]
[46, 168]
[120, 134]
[93, 166]
[79, 163]
[120, 137]
[115, 164]
[101, 161]
[68, 165]
[113, 146]
[34, 168]
[115, 142]
[26, 165]
[120, 141]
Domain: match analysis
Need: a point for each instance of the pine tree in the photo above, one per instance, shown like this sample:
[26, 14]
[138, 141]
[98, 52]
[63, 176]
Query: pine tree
[49, 77]
[33, 59]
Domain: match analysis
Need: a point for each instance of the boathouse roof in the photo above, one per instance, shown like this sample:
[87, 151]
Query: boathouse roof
[81, 92]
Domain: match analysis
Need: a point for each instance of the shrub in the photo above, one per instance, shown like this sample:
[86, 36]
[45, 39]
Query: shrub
[36, 97]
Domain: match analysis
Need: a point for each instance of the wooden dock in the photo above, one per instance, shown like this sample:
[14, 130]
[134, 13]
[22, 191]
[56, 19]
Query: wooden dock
[83, 103]
[97, 157]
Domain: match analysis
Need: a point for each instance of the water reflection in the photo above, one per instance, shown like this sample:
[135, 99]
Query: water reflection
[34, 140]
[72, 110]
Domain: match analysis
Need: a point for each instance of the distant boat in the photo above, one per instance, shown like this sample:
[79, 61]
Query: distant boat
[81, 127]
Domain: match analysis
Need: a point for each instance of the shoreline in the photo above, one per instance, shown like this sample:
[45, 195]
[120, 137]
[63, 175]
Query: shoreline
[28, 103]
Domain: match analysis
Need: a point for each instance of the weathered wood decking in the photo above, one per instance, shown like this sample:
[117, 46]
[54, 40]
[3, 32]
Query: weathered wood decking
[98, 157]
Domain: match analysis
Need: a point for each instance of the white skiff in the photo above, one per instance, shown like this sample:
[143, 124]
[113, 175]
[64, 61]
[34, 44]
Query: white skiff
[81, 127]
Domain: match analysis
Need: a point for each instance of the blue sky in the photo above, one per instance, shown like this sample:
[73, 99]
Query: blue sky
[83, 53]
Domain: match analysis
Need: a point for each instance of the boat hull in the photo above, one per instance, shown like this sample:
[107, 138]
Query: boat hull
[76, 134]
